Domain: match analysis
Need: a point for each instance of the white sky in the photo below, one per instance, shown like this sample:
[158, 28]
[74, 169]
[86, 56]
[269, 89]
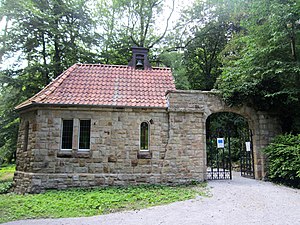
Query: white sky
[179, 5]
[2, 23]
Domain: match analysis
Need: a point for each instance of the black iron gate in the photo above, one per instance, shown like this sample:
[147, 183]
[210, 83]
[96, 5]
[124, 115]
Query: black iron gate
[246, 155]
[219, 158]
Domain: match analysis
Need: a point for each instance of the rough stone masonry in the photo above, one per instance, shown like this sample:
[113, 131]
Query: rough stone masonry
[177, 152]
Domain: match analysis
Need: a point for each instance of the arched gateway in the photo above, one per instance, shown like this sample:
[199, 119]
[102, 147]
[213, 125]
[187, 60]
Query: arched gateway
[189, 111]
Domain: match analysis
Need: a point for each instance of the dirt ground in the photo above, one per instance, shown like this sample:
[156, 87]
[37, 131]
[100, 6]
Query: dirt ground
[239, 201]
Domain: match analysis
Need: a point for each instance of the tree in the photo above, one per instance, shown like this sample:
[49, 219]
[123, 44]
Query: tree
[114, 42]
[16, 86]
[174, 60]
[49, 36]
[203, 32]
[261, 66]
[127, 23]
[143, 23]
[201, 55]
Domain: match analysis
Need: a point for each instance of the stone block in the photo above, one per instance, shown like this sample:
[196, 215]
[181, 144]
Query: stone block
[80, 170]
[112, 158]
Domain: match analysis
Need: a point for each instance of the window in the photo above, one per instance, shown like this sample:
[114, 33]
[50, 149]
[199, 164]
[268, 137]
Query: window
[144, 137]
[84, 134]
[26, 135]
[67, 135]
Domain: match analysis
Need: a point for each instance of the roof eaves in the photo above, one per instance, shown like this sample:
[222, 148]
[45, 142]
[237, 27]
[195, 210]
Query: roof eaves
[35, 104]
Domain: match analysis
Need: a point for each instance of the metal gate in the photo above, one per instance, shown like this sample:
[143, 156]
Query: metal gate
[219, 156]
[246, 156]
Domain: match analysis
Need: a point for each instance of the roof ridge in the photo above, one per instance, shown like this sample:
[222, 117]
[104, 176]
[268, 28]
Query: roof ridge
[58, 80]
[99, 64]
[124, 66]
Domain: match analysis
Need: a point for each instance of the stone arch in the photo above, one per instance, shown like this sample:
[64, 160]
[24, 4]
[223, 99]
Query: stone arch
[201, 104]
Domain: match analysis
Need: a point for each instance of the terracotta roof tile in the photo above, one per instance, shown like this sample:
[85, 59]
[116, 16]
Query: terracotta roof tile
[87, 84]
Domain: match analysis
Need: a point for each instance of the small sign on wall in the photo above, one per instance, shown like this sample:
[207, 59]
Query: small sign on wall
[220, 143]
[248, 146]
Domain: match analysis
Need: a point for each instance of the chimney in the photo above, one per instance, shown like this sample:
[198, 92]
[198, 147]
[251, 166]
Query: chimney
[139, 59]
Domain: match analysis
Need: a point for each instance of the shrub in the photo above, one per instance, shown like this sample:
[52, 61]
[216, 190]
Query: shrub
[283, 156]
[5, 187]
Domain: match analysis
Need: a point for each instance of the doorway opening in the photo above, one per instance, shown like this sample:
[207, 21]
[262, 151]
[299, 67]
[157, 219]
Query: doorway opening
[229, 146]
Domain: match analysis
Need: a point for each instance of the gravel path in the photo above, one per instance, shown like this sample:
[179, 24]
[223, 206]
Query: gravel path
[239, 201]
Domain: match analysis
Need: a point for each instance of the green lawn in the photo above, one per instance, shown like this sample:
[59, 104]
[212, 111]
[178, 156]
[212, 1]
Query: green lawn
[89, 202]
[6, 177]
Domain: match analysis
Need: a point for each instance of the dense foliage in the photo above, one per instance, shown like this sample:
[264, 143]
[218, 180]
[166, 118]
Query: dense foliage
[201, 56]
[261, 64]
[284, 160]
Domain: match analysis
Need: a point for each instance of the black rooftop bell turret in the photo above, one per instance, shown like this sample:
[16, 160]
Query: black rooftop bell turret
[139, 59]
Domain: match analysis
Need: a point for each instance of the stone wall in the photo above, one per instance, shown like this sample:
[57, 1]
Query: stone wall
[177, 144]
[114, 157]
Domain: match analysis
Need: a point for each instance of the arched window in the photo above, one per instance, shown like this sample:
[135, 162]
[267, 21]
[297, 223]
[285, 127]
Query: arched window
[144, 137]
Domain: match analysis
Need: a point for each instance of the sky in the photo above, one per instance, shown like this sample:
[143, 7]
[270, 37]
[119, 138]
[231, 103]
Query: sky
[179, 5]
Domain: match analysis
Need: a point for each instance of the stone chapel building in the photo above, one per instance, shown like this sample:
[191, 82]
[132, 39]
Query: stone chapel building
[98, 125]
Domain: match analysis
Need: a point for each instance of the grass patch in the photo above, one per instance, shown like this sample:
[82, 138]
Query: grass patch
[6, 177]
[89, 202]
[7, 172]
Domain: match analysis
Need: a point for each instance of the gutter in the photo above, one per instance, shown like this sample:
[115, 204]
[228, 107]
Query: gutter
[42, 105]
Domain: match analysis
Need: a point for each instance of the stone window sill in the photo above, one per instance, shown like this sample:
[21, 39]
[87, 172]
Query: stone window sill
[64, 154]
[144, 155]
[85, 154]
[74, 154]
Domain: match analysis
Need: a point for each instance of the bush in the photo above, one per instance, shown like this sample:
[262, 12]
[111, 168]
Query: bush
[5, 187]
[283, 156]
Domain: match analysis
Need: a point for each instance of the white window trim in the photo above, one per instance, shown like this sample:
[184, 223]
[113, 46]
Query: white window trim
[144, 150]
[83, 149]
[61, 134]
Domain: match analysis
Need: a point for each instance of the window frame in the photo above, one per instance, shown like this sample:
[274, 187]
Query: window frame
[79, 126]
[61, 136]
[140, 137]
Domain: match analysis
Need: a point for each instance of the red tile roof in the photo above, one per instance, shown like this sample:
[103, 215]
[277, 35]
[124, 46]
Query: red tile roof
[106, 85]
